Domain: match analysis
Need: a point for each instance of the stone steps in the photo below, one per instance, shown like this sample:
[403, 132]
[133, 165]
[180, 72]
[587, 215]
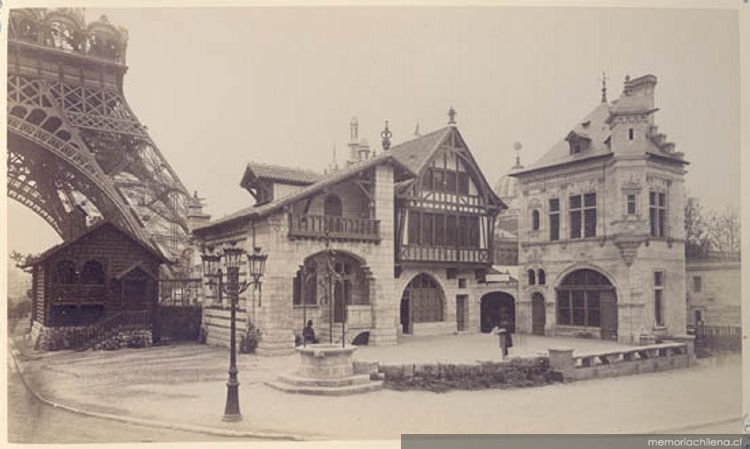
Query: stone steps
[327, 391]
[298, 381]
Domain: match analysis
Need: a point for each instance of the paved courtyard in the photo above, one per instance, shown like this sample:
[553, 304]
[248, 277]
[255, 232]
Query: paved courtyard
[185, 383]
[472, 347]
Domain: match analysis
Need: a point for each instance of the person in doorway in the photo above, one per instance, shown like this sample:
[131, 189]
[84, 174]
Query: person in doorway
[308, 333]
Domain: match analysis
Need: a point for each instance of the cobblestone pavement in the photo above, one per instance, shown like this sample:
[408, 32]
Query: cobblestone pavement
[185, 383]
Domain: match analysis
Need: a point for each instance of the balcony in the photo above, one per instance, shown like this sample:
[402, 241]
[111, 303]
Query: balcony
[444, 254]
[339, 228]
[78, 293]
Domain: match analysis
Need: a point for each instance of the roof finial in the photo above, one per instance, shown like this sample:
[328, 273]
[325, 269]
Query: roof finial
[386, 134]
[416, 131]
[625, 87]
[354, 129]
[604, 86]
[452, 116]
[517, 146]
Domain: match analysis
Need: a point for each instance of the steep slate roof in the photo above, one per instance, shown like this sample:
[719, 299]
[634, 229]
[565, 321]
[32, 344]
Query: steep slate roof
[286, 175]
[415, 153]
[60, 246]
[411, 156]
[597, 130]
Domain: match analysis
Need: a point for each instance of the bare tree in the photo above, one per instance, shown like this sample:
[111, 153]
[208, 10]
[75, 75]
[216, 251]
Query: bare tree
[697, 236]
[724, 231]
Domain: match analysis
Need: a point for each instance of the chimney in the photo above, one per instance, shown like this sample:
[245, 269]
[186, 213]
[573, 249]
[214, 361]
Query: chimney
[641, 91]
[195, 215]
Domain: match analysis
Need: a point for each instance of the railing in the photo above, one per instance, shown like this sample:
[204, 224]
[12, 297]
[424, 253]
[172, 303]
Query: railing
[717, 338]
[629, 355]
[183, 291]
[107, 326]
[444, 254]
[344, 228]
[75, 293]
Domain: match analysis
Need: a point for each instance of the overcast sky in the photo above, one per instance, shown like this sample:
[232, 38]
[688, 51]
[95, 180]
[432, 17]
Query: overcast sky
[220, 87]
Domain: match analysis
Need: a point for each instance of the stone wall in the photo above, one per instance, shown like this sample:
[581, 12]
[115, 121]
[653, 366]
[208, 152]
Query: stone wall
[137, 338]
[439, 377]
[61, 338]
[718, 297]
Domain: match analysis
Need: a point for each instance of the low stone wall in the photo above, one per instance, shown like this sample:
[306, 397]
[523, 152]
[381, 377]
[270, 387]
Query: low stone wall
[138, 338]
[53, 338]
[439, 377]
[659, 357]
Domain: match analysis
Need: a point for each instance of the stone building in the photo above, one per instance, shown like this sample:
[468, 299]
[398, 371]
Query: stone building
[601, 227]
[713, 290]
[411, 233]
[103, 280]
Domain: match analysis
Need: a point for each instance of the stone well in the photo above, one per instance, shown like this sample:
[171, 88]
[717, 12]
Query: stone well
[325, 369]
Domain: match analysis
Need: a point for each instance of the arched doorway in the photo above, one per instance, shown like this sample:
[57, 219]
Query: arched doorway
[497, 308]
[538, 314]
[587, 299]
[330, 283]
[422, 302]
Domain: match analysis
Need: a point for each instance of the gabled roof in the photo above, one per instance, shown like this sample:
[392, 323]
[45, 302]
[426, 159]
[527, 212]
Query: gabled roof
[276, 173]
[593, 127]
[417, 153]
[95, 228]
[414, 154]
[334, 178]
[411, 156]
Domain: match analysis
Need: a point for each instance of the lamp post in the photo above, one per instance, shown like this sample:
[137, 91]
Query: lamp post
[331, 277]
[233, 260]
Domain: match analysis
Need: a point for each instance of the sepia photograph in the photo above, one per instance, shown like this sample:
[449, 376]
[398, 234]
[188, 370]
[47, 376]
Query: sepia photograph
[285, 224]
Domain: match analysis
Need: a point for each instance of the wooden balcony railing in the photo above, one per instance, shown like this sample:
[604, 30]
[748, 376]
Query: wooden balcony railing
[79, 293]
[444, 254]
[342, 228]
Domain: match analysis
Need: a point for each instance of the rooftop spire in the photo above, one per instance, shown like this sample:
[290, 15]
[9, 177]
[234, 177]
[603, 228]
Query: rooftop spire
[354, 129]
[517, 147]
[452, 116]
[416, 131]
[604, 86]
[386, 134]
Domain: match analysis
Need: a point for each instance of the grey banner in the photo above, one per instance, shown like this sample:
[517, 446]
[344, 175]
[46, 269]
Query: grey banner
[736, 441]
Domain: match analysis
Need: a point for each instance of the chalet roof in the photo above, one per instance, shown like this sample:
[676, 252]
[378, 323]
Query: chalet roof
[334, 178]
[411, 156]
[277, 173]
[95, 228]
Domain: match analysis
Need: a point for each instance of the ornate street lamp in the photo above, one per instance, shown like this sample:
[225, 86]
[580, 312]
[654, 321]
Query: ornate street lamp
[233, 258]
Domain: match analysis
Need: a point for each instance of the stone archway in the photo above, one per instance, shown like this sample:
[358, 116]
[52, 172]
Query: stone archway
[423, 301]
[497, 308]
[587, 299]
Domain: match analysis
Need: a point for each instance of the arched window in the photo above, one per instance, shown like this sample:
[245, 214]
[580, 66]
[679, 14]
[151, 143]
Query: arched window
[535, 220]
[92, 273]
[332, 206]
[542, 277]
[65, 272]
[532, 277]
[579, 298]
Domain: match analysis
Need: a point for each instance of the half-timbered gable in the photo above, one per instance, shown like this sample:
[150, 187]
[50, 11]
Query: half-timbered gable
[445, 215]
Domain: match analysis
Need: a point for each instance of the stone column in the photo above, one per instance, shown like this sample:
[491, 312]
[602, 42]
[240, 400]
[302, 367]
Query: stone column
[274, 307]
[383, 298]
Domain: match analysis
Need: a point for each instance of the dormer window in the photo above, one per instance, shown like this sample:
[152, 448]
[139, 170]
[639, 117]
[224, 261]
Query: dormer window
[578, 142]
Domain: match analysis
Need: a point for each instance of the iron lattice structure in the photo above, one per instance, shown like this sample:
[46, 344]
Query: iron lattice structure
[76, 151]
